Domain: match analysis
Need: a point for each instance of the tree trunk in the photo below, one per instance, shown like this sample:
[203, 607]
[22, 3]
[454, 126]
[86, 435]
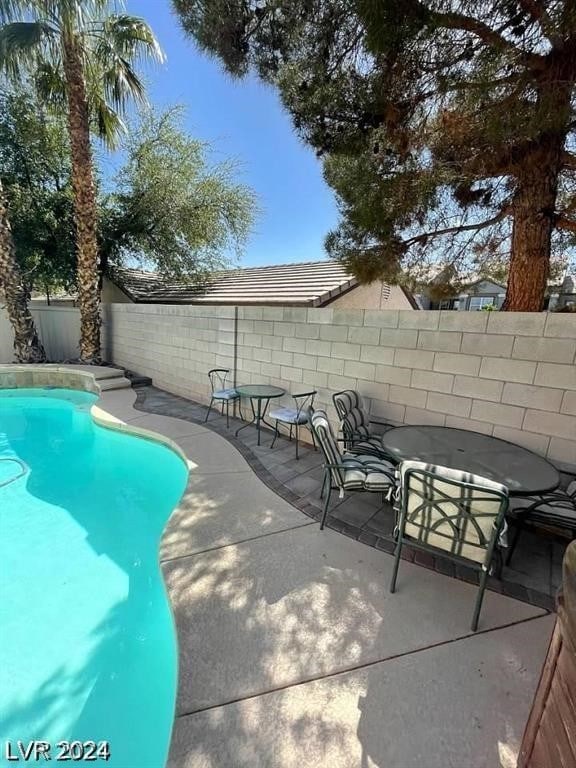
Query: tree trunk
[533, 211]
[27, 345]
[85, 216]
[534, 204]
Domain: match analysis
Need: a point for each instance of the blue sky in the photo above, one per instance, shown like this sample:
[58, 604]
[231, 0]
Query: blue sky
[244, 119]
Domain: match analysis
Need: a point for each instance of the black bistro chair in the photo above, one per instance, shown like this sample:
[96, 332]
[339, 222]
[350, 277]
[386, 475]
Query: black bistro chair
[220, 392]
[295, 417]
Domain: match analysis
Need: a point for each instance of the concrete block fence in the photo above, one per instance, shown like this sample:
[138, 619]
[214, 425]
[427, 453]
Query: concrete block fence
[512, 375]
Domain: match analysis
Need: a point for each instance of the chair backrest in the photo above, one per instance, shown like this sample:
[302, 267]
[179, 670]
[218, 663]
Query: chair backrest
[448, 509]
[304, 401]
[324, 435]
[346, 400]
[218, 378]
[354, 420]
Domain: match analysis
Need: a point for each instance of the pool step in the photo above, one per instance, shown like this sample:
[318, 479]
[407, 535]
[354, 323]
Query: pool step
[114, 382]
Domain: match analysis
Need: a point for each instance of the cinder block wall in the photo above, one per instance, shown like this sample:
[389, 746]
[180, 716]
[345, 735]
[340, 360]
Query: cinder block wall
[175, 345]
[512, 375]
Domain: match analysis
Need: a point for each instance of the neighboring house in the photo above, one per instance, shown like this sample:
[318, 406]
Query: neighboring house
[474, 297]
[311, 284]
[485, 293]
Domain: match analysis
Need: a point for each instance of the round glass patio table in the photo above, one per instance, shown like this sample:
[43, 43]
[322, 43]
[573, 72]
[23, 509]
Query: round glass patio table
[520, 470]
[259, 396]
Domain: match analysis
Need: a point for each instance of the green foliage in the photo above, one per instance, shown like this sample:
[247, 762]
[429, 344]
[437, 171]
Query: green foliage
[35, 172]
[32, 40]
[170, 207]
[437, 121]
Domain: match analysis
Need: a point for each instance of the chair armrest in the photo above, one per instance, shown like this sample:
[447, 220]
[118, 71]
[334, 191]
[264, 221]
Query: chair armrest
[380, 427]
[555, 499]
[353, 436]
[304, 394]
[375, 466]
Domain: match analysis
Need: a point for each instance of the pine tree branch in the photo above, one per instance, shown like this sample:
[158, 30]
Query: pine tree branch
[569, 161]
[564, 222]
[477, 225]
[538, 13]
[483, 32]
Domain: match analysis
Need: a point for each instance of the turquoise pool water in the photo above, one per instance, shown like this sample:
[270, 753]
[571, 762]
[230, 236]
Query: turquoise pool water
[87, 643]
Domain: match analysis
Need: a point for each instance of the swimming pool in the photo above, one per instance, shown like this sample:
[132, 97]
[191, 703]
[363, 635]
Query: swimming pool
[87, 640]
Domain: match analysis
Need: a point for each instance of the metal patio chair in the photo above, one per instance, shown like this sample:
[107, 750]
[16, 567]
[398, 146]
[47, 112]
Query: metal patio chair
[555, 509]
[451, 512]
[348, 472]
[355, 423]
[221, 393]
[294, 417]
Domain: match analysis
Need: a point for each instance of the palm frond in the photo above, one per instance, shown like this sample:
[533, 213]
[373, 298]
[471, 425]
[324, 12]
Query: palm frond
[50, 83]
[121, 83]
[12, 10]
[106, 122]
[130, 37]
[20, 43]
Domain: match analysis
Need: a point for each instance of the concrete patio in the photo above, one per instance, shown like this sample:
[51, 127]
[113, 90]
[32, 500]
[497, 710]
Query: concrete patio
[292, 650]
[536, 569]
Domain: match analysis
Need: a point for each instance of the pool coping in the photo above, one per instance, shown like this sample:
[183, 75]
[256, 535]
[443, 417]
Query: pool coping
[51, 375]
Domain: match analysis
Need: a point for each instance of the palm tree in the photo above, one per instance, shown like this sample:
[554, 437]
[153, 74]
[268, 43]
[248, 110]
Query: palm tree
[27, 345]
[79, 51]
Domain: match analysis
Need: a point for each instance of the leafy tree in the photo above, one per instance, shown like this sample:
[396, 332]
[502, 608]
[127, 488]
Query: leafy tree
[447, 125]
[80, 52]
[35, 171]
[169, 207]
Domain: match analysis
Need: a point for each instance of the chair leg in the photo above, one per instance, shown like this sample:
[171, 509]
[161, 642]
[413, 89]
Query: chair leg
[323, 489]
[498, 564]
[397, 554]
[208, 411]
[297, 457]
[290, 435]
[479, 598]
[518, 530]
[325, 512]
[227, 414]
[275, 435]
[313, 440]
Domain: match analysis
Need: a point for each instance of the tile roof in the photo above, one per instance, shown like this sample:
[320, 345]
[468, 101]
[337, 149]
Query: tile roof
[309, 284]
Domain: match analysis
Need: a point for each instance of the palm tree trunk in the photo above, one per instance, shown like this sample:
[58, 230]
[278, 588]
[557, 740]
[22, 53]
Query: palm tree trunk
[27, 345]
[85, 216]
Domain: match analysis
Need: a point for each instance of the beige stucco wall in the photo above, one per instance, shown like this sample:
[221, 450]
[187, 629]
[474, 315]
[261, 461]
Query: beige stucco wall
[112, 294]
[370, 297]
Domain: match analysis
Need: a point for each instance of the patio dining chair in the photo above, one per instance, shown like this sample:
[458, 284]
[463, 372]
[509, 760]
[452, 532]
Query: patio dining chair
[295, 417]
[357, 432]
[348, 472]
[455, 513]
[220, 392]
[555, 509]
